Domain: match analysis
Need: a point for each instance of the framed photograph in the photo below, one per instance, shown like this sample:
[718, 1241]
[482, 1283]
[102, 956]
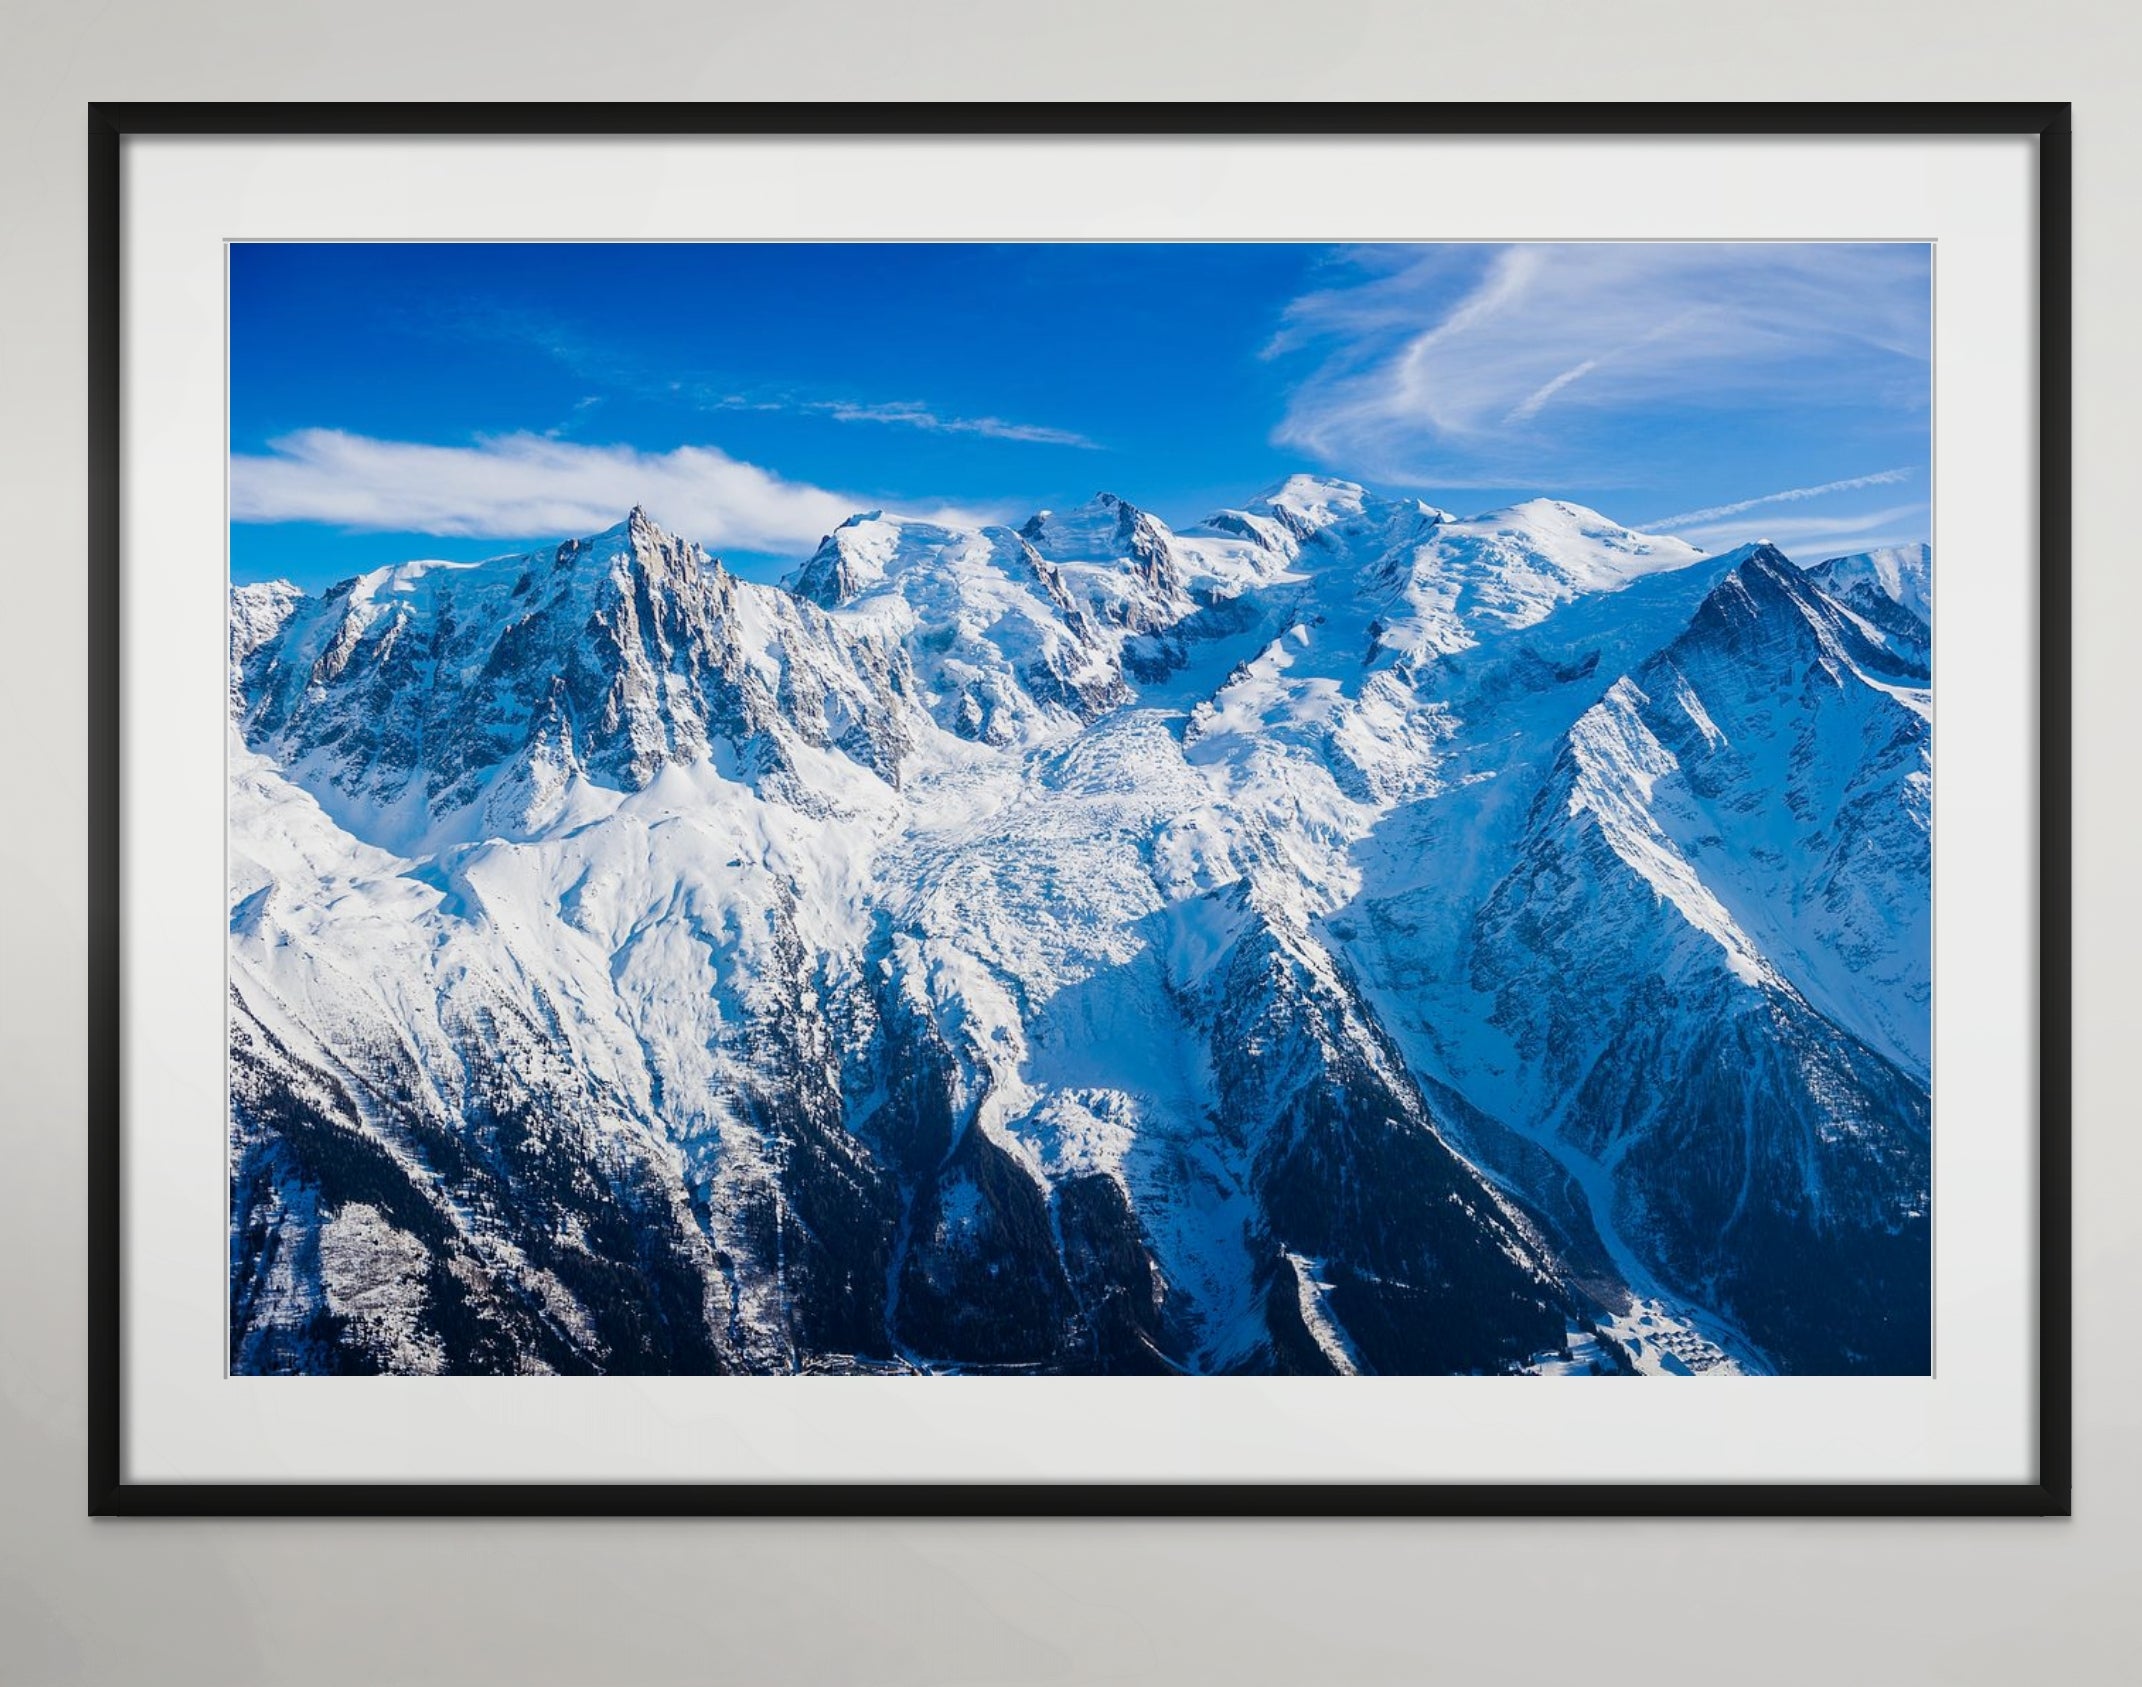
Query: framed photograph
[1079, 809]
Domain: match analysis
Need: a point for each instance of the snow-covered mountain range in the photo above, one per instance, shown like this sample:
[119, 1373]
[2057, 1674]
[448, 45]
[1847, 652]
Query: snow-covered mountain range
[1338, 937]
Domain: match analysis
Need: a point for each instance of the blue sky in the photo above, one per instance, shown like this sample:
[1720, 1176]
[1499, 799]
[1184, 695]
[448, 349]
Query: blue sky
[391, 401]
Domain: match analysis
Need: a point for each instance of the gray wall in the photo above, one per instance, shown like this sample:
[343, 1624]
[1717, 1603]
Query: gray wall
[1054, 1602]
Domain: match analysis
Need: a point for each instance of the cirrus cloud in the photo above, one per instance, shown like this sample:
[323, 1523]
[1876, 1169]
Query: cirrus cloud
[1794, 532]
[1469, 365]
[922, 416]
[1791, 495]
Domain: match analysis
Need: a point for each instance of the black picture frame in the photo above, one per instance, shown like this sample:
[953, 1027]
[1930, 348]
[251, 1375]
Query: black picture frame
[2048, 123]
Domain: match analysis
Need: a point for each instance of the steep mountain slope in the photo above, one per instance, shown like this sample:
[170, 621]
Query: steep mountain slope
[1082, 946]
[1894, 589]
[475, 698]
[1702, 975]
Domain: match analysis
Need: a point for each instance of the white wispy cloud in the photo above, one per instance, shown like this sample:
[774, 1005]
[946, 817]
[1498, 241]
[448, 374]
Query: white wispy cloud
[1534, 402]
[1444, 364]
[529, 485]
[1791, 495]
[1793, 529]
[623, 372]
[922, 416]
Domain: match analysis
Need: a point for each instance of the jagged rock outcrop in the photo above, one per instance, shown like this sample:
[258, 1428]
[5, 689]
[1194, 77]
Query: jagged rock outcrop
[1337, 936]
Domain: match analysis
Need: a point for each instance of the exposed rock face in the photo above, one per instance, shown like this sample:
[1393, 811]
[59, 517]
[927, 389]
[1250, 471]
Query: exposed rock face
[432, 687]
[1337, 937]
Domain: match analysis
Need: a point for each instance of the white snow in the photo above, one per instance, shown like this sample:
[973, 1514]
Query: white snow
[374, 1277]
[1311, 1291]
[1364, 696]
[1904, 574]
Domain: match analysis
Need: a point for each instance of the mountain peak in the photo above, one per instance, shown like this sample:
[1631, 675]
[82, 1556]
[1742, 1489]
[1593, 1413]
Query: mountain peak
[1560, 516]
[636, 526]
[1319, 500]
[1900, 574]
[1760, 573]
[1103, 527]
[1768, 621]
[1763, 554]
[1260, 873]
[1557, 509]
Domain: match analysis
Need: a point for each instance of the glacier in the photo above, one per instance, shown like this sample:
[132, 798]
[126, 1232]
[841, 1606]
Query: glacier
[1339, 937]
